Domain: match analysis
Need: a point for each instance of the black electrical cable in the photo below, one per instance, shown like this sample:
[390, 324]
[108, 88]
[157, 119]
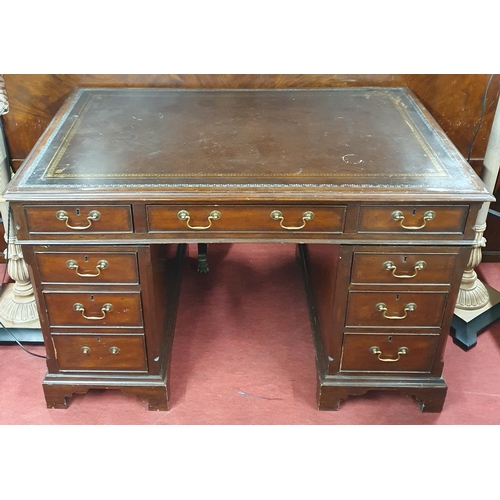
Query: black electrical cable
[19, 343]
[480, 119]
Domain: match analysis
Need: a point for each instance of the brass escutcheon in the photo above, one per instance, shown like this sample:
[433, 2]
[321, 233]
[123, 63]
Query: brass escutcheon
[184, 216]
[390, 266]
[306, 216]
[401, 351]
[93, 216]
[102, 264]
[397, 215]
[104, 309]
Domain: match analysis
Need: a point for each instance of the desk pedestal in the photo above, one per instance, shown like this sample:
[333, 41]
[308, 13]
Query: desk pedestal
[395, 351]
[131, 350]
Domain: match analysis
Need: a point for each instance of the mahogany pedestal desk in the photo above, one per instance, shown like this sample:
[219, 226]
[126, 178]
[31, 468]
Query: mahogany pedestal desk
[378, 201]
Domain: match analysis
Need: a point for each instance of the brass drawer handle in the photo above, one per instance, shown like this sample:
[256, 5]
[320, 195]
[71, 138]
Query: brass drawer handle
[390, 266]
[114, 350]
[397, 215]
[401, 351]
[184, 215]
[383, 308]
[104, 309]
[306, 216]
[93, 215]
[85, 350]
[102, 264]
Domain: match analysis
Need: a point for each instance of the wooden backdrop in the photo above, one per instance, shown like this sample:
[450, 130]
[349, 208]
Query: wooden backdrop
[455, 101]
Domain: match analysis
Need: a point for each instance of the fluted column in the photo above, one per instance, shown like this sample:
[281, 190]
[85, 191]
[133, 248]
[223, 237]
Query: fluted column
[17, 301]
[478, 305]
[473, 294]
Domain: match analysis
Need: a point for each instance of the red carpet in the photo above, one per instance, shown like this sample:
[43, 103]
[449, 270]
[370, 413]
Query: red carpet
[243, 354]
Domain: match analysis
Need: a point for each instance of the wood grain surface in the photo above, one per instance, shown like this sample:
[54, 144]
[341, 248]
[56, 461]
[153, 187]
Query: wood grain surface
[455, 101]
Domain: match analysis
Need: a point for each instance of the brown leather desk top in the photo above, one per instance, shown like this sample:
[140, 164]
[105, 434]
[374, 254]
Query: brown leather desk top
[369, 144]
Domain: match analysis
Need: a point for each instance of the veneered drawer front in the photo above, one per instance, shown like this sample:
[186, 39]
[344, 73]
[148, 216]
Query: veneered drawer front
[394, 309]
[388, 353]
[79, 219]
[413, 219]
[88, 267]
[272, 218]
[94, 309]
[100, 352]
[403, 268]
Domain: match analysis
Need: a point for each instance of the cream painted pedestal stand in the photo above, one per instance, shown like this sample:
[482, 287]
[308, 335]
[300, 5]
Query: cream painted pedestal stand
[18, 311]
[478, 304]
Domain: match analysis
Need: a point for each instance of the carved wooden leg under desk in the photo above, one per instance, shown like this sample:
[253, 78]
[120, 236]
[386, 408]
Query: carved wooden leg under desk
[202, 258]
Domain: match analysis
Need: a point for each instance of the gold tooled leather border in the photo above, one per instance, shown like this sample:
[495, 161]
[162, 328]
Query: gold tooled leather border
[51, 171]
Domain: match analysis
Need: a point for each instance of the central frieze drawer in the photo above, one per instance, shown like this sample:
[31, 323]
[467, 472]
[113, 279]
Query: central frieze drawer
[95, 309]
[413, 219]
[88, 267]
[388, 353]
[79, 219]
[269, 218]
[403, 268]
[395, 309]
[100, 352]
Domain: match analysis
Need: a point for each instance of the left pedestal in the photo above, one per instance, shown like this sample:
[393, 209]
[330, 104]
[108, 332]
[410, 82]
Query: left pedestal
[108, 318]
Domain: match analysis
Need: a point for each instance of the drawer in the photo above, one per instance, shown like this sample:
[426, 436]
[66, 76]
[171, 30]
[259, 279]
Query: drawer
[272, 218]
[100, 352]
[403, 268]
[388, 353]
[413, 219]
[94, 309]
[394, 309]
[88, 267]
[79, 219]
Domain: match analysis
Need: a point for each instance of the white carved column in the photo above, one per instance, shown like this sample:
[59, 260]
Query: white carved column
[473, 294]
[17, 301]
[478, 304]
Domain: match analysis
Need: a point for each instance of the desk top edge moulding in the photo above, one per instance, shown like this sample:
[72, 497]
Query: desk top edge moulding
[379, 202]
